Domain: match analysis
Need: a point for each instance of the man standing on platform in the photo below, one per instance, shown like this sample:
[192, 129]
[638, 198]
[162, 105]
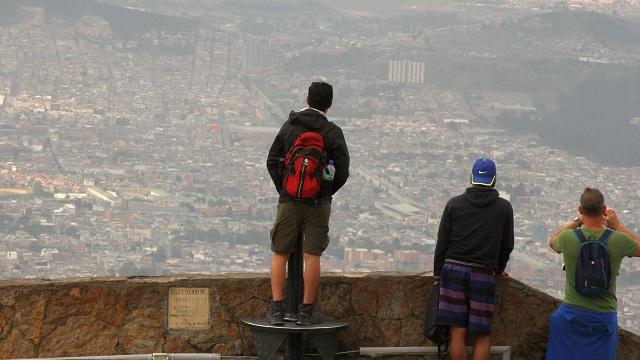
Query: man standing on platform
[308, 163]
[585, 326]
[475, 240]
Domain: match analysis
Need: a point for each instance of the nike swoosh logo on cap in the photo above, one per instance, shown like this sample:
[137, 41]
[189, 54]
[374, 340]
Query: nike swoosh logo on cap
[482, 172]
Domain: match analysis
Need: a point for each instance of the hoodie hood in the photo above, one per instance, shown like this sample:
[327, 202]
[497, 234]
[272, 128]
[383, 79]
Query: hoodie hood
[309, 118]
[481, 197]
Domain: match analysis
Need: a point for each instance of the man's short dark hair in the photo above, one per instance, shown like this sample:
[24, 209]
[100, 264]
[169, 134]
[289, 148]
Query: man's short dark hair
[320, 95]
[592, 202]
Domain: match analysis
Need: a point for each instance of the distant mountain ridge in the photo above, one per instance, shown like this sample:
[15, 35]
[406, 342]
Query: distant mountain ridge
[125, 22]
[593, 116]
[584, 25]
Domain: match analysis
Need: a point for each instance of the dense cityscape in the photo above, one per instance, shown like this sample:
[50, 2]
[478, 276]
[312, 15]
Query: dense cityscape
[141, 152]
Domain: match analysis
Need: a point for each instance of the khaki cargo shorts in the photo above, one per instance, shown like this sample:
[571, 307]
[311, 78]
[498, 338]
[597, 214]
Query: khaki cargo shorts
[294, 217]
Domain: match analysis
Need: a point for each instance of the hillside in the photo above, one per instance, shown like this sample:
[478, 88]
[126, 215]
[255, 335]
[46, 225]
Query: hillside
[582, 25]
[125, 22]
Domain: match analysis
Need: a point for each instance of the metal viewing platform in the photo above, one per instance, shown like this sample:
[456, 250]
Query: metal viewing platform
[268, 338]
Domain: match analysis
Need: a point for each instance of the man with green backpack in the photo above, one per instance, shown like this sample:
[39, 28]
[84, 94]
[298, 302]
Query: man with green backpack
[593, 245]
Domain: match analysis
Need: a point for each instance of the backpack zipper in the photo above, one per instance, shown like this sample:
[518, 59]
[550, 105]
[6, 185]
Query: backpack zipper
[301, 184]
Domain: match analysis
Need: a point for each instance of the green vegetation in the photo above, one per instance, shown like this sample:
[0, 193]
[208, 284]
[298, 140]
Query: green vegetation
[124, 22]
[584, 107]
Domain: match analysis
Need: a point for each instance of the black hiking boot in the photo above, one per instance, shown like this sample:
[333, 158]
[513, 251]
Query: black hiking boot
[276, 313]
[306, 315]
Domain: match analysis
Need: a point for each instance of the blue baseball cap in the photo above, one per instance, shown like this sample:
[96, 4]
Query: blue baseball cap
[483, 172]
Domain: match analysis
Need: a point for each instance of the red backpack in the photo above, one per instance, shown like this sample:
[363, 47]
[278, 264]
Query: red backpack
[303, 165]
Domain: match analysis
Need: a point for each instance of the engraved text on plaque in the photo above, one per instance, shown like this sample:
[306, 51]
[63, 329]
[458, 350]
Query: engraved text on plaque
[188, 308]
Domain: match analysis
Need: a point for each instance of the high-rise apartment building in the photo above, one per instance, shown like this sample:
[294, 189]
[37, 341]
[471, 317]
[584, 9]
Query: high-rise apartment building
[411, 72]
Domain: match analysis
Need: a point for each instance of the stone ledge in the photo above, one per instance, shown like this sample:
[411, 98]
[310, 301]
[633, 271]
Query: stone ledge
[173, 279]
[105, 316]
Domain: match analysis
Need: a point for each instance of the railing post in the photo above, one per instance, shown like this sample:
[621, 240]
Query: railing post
[295, 287]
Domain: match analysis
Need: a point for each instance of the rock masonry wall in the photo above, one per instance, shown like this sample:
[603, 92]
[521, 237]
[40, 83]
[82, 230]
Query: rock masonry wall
[76, 317]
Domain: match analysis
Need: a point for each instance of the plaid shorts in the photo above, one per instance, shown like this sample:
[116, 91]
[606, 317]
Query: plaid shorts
[467, 297]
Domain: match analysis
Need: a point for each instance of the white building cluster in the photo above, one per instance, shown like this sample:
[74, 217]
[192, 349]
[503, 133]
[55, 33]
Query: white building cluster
[411, 72]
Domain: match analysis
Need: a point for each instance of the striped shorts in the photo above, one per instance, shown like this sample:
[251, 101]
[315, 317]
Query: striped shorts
[467, 297]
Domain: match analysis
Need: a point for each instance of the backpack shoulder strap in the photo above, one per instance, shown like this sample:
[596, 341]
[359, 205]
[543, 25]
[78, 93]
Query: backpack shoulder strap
[326, 128]
[604, 238]
[580, 236]
[324, 131]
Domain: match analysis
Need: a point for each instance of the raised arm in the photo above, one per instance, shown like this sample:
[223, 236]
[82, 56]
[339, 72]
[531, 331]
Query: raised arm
[614, 223]
[573, 224]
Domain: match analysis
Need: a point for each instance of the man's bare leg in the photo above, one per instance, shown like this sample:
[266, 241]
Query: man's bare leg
[278, 275]
[482, 347]
[311, 277]
[457, 347]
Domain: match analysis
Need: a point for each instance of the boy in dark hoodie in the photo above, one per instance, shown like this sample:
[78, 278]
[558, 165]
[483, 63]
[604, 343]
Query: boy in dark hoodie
[310, 217]
[475, 240]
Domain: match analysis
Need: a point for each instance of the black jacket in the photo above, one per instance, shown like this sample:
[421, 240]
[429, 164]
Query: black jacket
[309, 120]
[476, 227]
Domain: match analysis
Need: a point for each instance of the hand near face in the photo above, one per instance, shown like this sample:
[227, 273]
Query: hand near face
[611, 219]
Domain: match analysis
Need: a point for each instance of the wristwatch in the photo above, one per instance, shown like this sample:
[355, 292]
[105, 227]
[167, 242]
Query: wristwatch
[578, 221]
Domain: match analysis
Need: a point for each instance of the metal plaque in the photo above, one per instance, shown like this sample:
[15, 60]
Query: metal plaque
[188, 308]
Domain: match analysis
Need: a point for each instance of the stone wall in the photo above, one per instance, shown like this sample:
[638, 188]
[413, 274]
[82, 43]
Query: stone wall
[40, 318]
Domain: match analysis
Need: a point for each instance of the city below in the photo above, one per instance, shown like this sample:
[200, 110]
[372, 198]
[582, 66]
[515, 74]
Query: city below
[141, 150]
